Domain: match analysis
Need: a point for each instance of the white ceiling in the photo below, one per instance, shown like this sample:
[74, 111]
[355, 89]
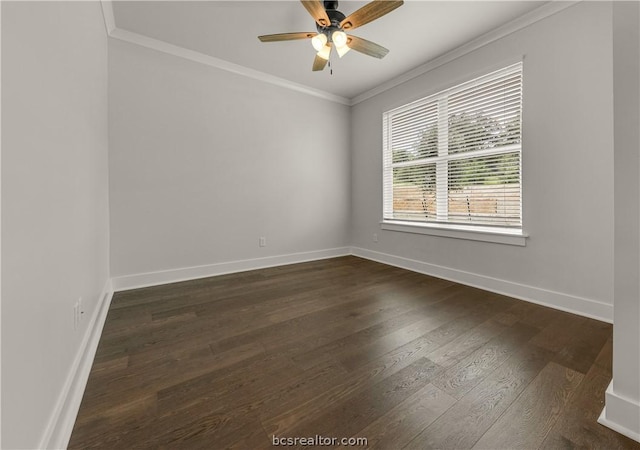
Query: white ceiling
[415, 33]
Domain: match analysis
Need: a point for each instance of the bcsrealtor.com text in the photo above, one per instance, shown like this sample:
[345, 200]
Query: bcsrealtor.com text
[318, 441]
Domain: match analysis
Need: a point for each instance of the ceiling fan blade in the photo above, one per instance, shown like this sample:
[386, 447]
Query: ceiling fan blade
[319, 63]
[366, 47]
[317, 11]
[369, 12]
[286, 36]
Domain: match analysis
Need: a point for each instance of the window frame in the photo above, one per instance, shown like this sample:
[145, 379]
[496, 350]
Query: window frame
[513, 235]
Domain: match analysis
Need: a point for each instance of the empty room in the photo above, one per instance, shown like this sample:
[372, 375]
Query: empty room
[317, 224]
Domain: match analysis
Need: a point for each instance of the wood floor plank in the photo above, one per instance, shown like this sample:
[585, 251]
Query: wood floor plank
[575, 341]
[531, 314]
[230, 383]
[254, 438]
[423, 345]
[526, 423]
[467, 343]
[423, 318]
[374, 370]
[436, 316]
[470, 371]
[604, 360]
[112, 426]
[322, 329]
[398, 427]
[342, 347]
[465, 422]
[356, 412]
[578, 427]
[356, 382]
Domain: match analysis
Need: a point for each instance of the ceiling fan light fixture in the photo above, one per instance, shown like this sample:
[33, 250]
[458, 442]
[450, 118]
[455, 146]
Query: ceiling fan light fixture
[325, 52]
[339, 38]
[331, 25]
[319, 41]
[342, 50]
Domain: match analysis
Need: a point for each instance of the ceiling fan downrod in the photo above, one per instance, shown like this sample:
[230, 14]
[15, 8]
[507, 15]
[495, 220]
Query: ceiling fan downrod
[330, 5]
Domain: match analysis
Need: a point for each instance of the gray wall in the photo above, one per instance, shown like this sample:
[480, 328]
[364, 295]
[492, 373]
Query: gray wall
[203, 162]
[623, 396]
[567, 164]
[54, 201]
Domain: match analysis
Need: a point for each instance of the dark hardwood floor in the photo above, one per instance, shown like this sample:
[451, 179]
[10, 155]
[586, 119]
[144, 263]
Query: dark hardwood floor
[343, 348]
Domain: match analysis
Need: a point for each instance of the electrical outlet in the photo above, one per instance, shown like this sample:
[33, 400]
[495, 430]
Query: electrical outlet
[263, 241]
[375, 237]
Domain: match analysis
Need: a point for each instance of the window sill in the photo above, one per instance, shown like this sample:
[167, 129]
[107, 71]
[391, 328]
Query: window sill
[473, 233]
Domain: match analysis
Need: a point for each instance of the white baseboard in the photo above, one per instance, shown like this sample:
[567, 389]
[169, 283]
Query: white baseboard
[58, 431]
[621, 414]
[140, 280]
[565, 302]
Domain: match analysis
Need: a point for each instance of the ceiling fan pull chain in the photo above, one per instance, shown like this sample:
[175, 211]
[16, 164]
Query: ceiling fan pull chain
[330, 68]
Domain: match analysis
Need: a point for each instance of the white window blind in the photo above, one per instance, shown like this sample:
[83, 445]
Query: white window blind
[455, 157]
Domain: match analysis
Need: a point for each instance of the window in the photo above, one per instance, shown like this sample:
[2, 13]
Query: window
[453, 158]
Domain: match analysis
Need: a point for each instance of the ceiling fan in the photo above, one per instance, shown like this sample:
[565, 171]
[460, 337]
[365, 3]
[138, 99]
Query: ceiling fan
[331, 25]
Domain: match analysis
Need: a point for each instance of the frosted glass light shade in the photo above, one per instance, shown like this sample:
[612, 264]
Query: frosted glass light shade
[325, 52]
[342, 50]
[319, 41]
[339, 38]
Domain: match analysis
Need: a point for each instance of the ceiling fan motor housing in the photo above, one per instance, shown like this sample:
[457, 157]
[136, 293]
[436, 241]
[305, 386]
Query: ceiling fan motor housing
[335, 16]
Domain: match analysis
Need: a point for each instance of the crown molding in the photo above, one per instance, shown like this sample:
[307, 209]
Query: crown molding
[191, 55]
[517, 24]
[155, 44]
[109, 18]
